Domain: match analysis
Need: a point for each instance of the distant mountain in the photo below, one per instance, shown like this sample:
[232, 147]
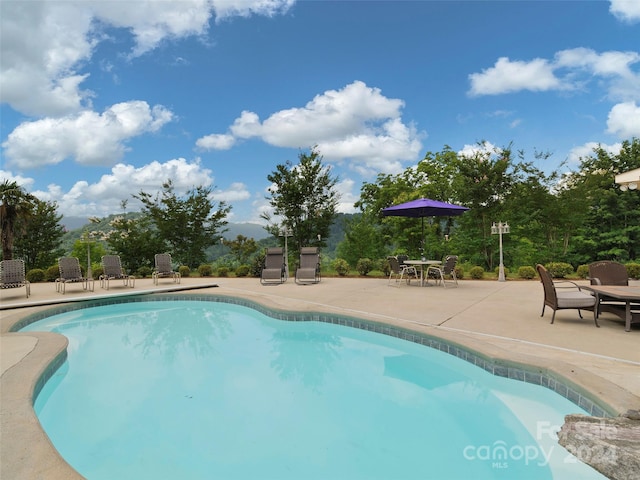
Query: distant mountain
[249, 230]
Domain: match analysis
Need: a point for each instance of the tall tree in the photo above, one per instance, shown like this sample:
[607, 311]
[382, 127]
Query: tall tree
[304, 200]
[187, 224]
[39, 235]
[16, 203]
[135, 240]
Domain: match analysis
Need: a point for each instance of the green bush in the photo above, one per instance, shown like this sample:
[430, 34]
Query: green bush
[144, 272]
[96, 271]
[559, 269]
[52, 273]
[184, 271]
[583, 271]
[384, 267]
[526, 272]
[205, 270]
[633, 270]
[459, 272]
[497, 271]
[477, 273]
[243, 270]
[256, 265]
[36, 275]
[223, 271]
[364, 266]
[341, 266]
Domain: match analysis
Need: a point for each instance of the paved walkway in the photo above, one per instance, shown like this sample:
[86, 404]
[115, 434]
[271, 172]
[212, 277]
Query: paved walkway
[499, 320]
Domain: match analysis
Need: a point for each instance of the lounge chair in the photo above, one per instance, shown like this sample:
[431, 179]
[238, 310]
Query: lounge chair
[70, 272]
[399, 271]
[164, 269]
[12, 275]
[308, 270]
[273, 268]
[112, 270]
[447, 269]
[607, 272]
[559, 296]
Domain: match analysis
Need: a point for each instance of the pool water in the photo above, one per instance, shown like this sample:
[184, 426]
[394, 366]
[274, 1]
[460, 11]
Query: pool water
[204, 390]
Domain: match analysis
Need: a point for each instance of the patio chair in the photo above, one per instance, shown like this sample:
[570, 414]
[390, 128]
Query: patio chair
[12, 275]
[561, 297]
[308, 270]
[399, 271]
[112, 270]
[273, 268]
[447, 269]
[70, 272]
[607, 272]
[164, 269]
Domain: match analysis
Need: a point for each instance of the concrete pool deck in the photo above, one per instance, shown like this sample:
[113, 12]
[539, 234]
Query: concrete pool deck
[498, 320]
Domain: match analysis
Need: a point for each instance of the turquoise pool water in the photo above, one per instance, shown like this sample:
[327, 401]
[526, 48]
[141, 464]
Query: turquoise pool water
[204, 390]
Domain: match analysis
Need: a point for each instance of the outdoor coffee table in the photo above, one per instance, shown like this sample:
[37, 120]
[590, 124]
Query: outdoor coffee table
[630, 296]
[421, 264]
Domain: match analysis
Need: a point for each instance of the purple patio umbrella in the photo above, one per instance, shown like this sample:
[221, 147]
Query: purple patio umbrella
[424, 207]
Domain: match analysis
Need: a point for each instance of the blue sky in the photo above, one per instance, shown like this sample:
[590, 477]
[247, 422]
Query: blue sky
[104, 99]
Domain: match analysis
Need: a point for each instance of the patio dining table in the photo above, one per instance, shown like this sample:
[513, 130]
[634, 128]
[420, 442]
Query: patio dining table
[628, 296]
[422, 264]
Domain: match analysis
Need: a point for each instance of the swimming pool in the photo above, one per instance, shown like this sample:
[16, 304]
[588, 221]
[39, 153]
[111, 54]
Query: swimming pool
[187, 389]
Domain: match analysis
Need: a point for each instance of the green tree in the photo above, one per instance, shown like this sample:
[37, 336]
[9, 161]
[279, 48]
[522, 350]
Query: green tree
[242, 248]
[39, 237]
[187, 224]
[135, 240]
[362, 240]
[304, 197]
[610, 227]
[16, 204]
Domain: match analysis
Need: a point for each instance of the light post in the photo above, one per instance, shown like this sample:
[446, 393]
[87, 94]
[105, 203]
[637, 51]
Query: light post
[499, 229]
[286, 233]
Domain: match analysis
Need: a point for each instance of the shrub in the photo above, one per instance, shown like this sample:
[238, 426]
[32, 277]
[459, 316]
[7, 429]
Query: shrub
[52, 273]
[341, 266]
[36, 275]
[257, 264]
[497, 271]
[633, 270]
[384, 267]
[459, 272]
[527, 272]
[205, 270]
[364, 266]
[583, 271]
[223, 271]
[143, 272]
[96, 272]
[243, 270]
[184, 271]
[477, 273]
[559, 269]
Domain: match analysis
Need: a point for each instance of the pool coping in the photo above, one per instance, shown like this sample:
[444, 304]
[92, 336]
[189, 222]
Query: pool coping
[29, 375]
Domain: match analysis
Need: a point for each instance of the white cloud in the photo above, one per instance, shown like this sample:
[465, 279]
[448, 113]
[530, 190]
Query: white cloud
[356, 124]
[570, 69]
[88, 137]
[508, 76]
[586, 150]
[347, 196]
[484, 148]
[45, 45]
[245, 8]
[624, 120]
[103, 197]
[216, 142]
[237, 191]
[626, 10]
[24, 182]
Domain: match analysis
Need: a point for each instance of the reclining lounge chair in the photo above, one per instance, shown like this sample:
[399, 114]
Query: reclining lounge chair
[308, 270]
[164, 269]
[12, 275]
[273, 269]
[112, 270]
[70, 272]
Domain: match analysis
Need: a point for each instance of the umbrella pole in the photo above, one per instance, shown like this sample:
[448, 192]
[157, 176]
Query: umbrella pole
[422, 246]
